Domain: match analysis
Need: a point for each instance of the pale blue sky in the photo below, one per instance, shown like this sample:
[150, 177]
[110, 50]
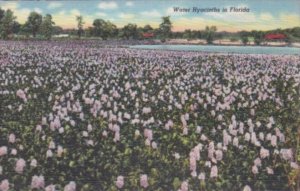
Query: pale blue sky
[264, 14]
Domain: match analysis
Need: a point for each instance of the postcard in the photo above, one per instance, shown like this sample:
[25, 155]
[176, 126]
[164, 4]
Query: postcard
[149, 95]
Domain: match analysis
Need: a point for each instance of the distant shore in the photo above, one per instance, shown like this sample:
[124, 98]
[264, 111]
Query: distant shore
[226, 43]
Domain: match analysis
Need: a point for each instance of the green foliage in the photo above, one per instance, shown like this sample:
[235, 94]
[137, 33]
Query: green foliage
[258, 37]
[129, 31]
[7, 23]
[245, 40]
[147, 29]
[209, 34]
[80, 24]
[104, 29]
[165, 27]
[34, 23]
[47, 27]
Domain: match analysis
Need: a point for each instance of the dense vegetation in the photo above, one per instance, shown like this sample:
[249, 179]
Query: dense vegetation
[75, 116]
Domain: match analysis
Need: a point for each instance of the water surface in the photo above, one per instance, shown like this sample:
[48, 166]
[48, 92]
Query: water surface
[225, 49]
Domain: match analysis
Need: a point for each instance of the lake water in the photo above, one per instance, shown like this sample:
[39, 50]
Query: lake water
[224, 49]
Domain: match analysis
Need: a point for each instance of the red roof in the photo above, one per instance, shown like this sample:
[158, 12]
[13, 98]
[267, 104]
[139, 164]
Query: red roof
[148, 35]
[274, 36]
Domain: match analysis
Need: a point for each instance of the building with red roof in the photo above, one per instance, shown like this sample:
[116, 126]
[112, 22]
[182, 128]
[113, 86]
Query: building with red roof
[275, 37]
[148, 35]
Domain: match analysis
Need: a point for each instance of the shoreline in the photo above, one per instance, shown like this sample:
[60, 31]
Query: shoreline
[229, 43]
[169, 42]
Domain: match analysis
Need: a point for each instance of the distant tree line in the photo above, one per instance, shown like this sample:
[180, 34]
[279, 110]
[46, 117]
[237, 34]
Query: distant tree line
[44, 27]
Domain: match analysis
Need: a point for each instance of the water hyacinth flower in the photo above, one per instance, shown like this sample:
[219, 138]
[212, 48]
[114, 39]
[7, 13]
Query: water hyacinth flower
[70, 187]
[13, 152]
[60, 151]
[50, 187]
[274, 140]
[104, 133]
[120, 181]
[38, 128]
[169, 125]
[4, 185]
[193, 162]
[254, 169]
[21, 94]
[144, 181]
[137, 133]
[146, 110]
[199, 129]
[33, 163]
[148, 134]
[154, 145]
[185, 131]
[11, 138]
[20, 164]
[89, 128]
[247, 188]
[177, 155]
[85, 134]
[264, 153]
[214, 171]
[49, 154]
[257, 162]
[37, 182]
[286, 154]
[61, 130]
[184, 186]
[203, 137]
[219, 155]
[201, 176]
[51, 145]
[235, 142]
[294, 165]
[117, 136]
[270, 170]
[3, 150]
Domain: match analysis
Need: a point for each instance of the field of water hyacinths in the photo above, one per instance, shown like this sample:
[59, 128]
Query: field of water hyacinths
[78, 116]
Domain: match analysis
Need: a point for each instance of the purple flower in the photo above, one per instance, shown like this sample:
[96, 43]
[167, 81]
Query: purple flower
[214, 171]
[20, 164]
[3, 150]
[4, 185]
[37, 182]
[144, 181]
[120, 181]
[70, 187]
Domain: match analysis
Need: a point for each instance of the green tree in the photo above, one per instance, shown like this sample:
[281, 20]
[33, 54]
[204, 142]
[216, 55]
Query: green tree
[245, 40]
[147, 28]
[129, 31]
[24, 30]
[210, 34]
[187, 34]
[244, 37]
[99, 27]
[2, 12]
[104, 29]
[34, 23]
[16, 27]
[165, 28]
[47, 26]
[111, 29]
[258, 37]
[80, 24]
[7, 24]
[57, 30]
